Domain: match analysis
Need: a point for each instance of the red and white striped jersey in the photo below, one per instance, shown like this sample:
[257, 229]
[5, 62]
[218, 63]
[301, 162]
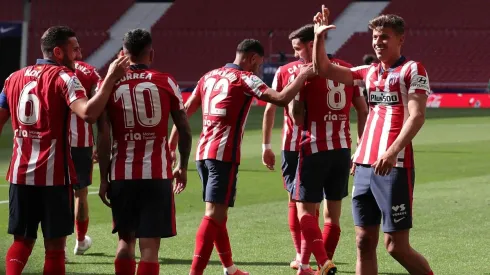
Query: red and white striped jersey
[38, 98]
[138, 111]
[226, 96]
[388, 102]
[81, 133]
[291, 133]
[327, 113]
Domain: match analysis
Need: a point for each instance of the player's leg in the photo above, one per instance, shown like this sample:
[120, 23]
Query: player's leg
[23, 224]
[157, 220]
[124, 204]
[367, 217]
[82, 158]
[57, 224]
[336, 189]
[308, 191]
[289, 165]
[394, 194]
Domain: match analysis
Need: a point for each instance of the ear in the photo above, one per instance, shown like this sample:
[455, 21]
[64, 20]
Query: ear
[310, 45]
[58, 53]
[402, 39]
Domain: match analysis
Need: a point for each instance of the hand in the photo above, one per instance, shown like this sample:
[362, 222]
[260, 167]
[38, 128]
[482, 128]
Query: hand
[384, 164]
[104, 192]
[269, 159]
[307, 70]
[118, 68]
[180, 177]
[321, 22]
[95, 157]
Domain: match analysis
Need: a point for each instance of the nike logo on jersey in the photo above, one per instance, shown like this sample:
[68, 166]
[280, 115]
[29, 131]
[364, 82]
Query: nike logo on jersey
[5, 30]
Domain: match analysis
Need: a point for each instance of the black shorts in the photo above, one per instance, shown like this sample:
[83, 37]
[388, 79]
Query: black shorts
[387, 197]
[289, 165]
[145, 207]
[51, 206]
[322, 175]
[82, 159]
[218, 181]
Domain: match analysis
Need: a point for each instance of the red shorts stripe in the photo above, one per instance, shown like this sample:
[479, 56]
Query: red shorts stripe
[410, 187]
[231, 180]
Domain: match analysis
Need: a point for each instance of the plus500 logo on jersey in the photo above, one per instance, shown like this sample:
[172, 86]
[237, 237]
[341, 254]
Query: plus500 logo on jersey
[379, 97]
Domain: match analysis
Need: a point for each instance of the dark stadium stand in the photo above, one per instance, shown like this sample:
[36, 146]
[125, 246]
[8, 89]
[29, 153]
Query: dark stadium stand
[206, 33]
[90, 20]
[452, 42]
[14, 12]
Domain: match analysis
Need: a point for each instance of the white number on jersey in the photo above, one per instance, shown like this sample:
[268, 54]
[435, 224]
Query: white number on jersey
[336, 98]
[28, 106]
[137, 96]
[211, 85]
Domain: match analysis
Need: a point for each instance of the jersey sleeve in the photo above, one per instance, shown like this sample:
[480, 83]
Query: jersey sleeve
[359, 75]
[96, 81]
[3, 101]
[417, 80]
[72, 89]
[254, 86]
[277, 81]
[176, 102]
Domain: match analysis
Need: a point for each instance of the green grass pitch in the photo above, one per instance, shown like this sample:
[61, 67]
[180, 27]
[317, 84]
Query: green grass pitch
[451, 207]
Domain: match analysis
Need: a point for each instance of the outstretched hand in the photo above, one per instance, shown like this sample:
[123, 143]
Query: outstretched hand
[321, 22]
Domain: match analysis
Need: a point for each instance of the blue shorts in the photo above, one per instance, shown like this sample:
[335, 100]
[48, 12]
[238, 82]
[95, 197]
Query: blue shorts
[218, 181]
[388, 197]
[82, 159]
[322, 175]
[289, 165]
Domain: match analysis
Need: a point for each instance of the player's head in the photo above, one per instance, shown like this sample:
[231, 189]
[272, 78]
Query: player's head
[367, 59]
[250, 55]
[388, 36]
[60, 44]
[137, 44]
[302, 42]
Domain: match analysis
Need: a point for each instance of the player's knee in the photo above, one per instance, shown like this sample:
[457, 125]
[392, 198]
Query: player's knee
[396, 245]
[366, 242]
[28, 243]
[217, 212]
[332, 212]
[81, 194]
[55, 243]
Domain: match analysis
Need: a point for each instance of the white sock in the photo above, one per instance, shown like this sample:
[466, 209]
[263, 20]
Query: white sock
[304, 266]
[231, 269]
[298, 257]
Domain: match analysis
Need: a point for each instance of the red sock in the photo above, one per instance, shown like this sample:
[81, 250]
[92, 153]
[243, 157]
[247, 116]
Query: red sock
[313, 237]
[54, 262]
[148, 268]
[223, 246]
[331, 236]
[81, 228]
[430, 273]
[317, 215]
[206, 234]
[17, 257]
[125, 266]
[305, 251]
[294, 226]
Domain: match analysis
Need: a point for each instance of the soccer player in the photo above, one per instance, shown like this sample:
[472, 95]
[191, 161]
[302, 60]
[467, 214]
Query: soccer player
[141, 193]
[384, 175]
[38, 99]
[81, 142]
[225, 95]
[302, 43]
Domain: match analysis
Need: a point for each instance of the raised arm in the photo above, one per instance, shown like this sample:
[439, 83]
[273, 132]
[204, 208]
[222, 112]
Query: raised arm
[90, 109]
[289, 92]
[321, 64]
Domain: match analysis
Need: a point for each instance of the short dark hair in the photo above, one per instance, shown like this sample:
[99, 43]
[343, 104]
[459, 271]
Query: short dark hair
[250, 46]
[137, 41]
[392, 21]
[368, 59]
[305, 34]
[56, 36]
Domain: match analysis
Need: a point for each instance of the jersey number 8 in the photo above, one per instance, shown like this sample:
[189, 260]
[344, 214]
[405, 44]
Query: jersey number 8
[336, 98]
[138, 96]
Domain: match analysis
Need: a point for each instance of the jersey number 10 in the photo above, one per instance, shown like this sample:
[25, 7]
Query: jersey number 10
[138, 97]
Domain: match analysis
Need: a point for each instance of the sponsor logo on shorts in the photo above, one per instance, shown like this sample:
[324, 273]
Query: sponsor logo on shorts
[384, 98]
[399, 213]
